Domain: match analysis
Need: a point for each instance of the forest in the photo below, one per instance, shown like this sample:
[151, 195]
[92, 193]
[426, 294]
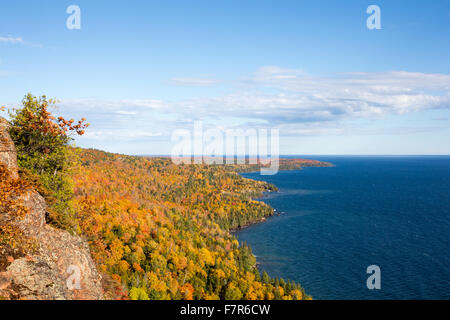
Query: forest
[156, 230]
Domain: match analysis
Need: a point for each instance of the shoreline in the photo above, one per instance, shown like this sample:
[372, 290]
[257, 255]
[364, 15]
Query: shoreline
[274, 212]
[318, 164]
[263, 219]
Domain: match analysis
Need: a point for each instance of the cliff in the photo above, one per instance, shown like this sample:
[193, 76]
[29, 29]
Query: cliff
[60, 266]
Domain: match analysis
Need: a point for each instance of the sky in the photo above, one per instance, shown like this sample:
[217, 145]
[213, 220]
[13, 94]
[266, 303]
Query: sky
[139, 70]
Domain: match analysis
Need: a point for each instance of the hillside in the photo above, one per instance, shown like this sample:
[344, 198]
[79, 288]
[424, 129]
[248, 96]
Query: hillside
[133, 227]
[37, 260]
[163, 229]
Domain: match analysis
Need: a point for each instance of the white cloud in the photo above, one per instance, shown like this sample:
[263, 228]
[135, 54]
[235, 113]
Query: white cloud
[123, 134]
[13, 40]
[199, 82]
[127, 113]
[291, 100]
[114, 106]
[18, 40]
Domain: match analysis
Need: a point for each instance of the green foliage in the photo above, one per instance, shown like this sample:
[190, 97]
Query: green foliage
[233, 293]
[138, 294]
[44, 154]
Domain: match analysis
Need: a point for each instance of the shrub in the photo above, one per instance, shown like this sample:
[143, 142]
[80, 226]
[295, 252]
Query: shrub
[44, 154]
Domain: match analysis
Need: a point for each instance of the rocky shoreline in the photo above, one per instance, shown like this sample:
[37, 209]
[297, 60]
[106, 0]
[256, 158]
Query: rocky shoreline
[269, 188]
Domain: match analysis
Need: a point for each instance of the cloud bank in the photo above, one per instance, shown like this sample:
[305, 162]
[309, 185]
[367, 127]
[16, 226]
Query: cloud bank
[272, 97]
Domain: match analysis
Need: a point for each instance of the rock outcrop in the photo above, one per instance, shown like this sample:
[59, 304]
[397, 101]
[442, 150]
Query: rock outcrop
[61, 267]
[8, 154]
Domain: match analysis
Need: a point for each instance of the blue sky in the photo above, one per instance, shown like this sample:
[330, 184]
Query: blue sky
[138, 70]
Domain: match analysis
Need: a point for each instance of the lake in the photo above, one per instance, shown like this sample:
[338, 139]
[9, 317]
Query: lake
[393, 212]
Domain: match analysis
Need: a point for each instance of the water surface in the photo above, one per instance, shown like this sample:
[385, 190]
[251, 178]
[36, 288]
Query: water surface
[393, 212]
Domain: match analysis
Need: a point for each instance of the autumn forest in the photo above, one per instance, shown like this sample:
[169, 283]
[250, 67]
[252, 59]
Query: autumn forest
[156, 230]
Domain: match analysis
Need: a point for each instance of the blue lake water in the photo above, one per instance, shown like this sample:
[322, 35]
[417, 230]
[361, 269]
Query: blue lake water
[393, 212]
